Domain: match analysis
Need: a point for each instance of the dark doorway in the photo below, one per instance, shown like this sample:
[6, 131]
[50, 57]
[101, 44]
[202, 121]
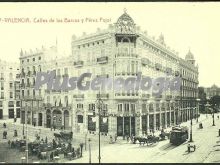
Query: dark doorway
[11, 113]
[18, 113]
[40, 117]
[66, 119]
[48, 117]
[1, 114]
[129, 126]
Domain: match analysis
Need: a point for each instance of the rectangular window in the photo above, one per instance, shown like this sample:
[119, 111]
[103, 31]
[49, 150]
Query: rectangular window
[11, 94]
[11, 85]
[80, 118]
[17, 103]
[79, 105]
[11, 104]
[2, 95]
[132, 108]
[119, 107]
[2, 86]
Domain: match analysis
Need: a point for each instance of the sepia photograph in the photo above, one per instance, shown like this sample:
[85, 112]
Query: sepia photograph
[109, 82]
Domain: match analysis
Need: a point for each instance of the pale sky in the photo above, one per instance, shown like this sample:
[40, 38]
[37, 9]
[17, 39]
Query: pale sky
[184, 25]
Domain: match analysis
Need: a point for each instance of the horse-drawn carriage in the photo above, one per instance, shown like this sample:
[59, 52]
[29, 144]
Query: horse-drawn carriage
[149, 140]
[64, 136]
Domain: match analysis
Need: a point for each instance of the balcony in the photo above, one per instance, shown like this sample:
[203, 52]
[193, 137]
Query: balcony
[145, 96]
[158, 97]
[29, 73]
[2, 78]
[158, 66]
[102, 60]
[168, 97]
[168, 70]
[177, 98]
[47, 105]
[78, 63]
[78, 96]
[103, 75]
[102, 96]
[126, 55]
[17, 76]
[56, 91]
[177, 73]
[130, 96]
[145, 61]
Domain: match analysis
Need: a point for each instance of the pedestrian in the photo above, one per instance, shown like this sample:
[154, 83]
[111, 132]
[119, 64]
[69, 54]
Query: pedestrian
[81, 148]
[71, 134]
[15, 133]
[4, 134]
[116, 137]
[46, 140]
[51, 155]
[54, 127]
[218, 117]
[9, 143]
[110, 139]
[34, 124]
[4, 125]
[128, 138]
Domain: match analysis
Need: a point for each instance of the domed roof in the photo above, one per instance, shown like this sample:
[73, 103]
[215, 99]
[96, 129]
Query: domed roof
[125, 18]
[189, 56]
[214, 86]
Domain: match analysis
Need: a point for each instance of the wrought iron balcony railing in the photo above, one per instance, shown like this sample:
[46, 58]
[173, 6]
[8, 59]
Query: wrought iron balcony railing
[102, 60]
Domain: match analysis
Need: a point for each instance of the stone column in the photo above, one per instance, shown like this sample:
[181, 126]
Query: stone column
[165, 118]
[62, 117]
[154, 121]
[160, 124]
[140, 130]
[174, 117]
[148, 127]
[51, 119]
[37, 118]
[170, 116]
[85, 116]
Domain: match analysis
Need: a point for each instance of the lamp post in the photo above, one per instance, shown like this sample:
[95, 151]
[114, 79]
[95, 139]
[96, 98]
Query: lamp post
[197, 111]
[26, 117]
[213, 116]
[89, 151]
[99, 105]
[190, 140]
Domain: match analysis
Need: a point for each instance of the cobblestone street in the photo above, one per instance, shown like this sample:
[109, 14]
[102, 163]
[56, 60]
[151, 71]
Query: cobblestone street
[206, 141]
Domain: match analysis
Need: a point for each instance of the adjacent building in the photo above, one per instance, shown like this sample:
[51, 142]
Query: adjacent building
[214, 90]
[9, 86]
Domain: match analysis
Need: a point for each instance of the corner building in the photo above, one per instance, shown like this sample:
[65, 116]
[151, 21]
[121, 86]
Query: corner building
[123, 50]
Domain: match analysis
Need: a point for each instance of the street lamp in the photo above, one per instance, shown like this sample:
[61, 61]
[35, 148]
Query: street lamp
[190, 140]
[26, 136]
[197, 111]
[213, 116]
[100, 105]
[89, 151]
